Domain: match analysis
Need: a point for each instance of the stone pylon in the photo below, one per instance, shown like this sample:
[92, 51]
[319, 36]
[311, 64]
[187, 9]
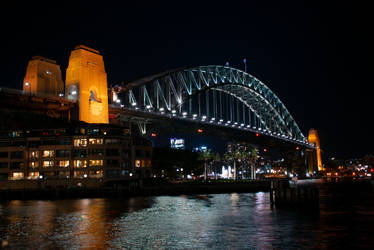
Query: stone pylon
[86, 82]
[314, 138]
[43, 76]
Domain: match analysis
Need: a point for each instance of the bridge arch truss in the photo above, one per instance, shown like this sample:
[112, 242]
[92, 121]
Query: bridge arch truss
[218, 95]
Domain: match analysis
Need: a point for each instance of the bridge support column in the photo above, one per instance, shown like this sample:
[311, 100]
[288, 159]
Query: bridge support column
[142, 127]
[253, 172]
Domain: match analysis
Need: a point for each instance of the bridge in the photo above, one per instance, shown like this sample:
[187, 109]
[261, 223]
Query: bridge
[212, 95]
[217, 97]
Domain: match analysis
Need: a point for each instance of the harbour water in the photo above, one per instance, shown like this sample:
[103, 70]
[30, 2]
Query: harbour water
[214, 221]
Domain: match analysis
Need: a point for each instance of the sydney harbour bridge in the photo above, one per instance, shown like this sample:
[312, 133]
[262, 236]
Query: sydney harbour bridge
[211, 95]
[217, 98]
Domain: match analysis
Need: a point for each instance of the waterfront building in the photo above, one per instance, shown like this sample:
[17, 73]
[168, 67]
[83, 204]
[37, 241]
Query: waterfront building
[88, 151]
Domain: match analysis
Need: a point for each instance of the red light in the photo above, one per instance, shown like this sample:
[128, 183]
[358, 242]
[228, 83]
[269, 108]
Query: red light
[199, 130]
[297, 148]
[257, 134]
[372, 170]
[265, 150]
[153, 134]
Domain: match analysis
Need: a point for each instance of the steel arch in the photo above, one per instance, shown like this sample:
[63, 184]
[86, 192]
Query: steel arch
[168, 92]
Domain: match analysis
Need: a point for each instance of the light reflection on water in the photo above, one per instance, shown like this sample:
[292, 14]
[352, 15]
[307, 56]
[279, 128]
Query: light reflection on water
[220, 221]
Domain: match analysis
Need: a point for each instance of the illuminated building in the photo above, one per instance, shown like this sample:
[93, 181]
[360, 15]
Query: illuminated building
[86, 82]
[85, 152]
[43, 76]
[313, 138]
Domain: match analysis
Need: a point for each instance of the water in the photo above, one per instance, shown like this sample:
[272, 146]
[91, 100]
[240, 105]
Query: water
[218, 221]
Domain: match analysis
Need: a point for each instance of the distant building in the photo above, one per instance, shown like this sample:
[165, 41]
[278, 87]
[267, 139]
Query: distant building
[85, 152]
[177, 143]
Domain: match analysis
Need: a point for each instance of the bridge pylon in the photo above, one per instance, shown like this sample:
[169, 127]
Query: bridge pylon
[316, 155]
[86, 82]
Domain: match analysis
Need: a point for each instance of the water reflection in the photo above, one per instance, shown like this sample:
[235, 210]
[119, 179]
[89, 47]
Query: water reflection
[219, 221]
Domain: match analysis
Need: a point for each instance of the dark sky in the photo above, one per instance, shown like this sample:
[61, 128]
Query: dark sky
[317, 57]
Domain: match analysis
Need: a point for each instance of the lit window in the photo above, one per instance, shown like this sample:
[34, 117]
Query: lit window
[33, 164]
[80, 163]
[137, 163]
[64, 174]
[80, 142]
[63, 164]
[34, 154]
[33, 175]
[95, 141]
[47, 164]
[96, 163]
[17, 175]
[96, 174]
[48, 153]
[79, 174]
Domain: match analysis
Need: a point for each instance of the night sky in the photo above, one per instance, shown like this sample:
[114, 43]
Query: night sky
[317, 57]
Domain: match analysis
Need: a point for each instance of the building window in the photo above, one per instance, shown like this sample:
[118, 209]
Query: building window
[33, 175]
[111, 141]
[80, 153]
[62, 153]
[34, 154]
[148, 154]
[148, 163]
[80, 174]
[3, 164]
[34, 144]
[112, 152]
[96, 174]
[16, 155]
[97, 151]
[64, 174]
[33, 164]
[17, 175]
[112, 163]
[49, 142]
[113, 173]
[139, 153]
[125, 153]
[16, 165]
[125, 143]
[63, 164]
[80, 163]
[48, 153]
[63, 141]
[94, 163]
[137, 163]
[47, 164]
[50, 173]
[3, 154]
[95, 141]
[80, 142]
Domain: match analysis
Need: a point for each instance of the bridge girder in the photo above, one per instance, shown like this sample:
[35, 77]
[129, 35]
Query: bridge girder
[170, 92]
